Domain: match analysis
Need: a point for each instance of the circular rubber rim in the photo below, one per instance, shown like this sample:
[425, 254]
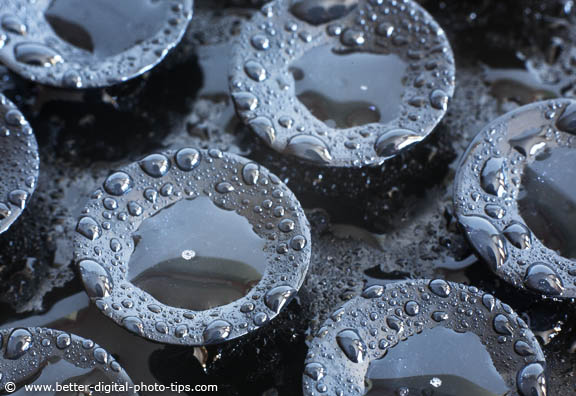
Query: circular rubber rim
[470, 199]
[21, 154]
[48, 343]
[352, 147]
[329, 370]
[108, 244]
[81, 70]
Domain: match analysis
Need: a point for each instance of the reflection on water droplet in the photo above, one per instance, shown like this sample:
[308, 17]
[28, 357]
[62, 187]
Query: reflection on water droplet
[437, 360]
[36, 54]
[547, 199]
[96, 279]
[228, 261]
[543, 279]
[106, 27]
[309, 148]
[532, 380]
[319, 12]
[567, 121]
[393, 141]
[486, 239]
[13, 24]
[19, 342]
[352, 345]
[361, 88]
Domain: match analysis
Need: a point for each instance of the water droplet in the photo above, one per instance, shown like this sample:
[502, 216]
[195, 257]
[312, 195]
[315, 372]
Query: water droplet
[19, 342]
[518, 235]
[316, 371]
[522, 348]
[96, 279]
[298, 242]
[353, 37]
[412, 308]
[486, 239]
[373, 291]
[440, 287]
[134, 325]
[118, 183]
[245, 101]
[13, 24]
[36, 54]
[286, 225]
[260, 42]
[502, 325]
[263, 128]
[532, 380]
[63, 341]
[543, 279]
[320, 12]
[216, 332]
[224, 188]
[309, 148]
[18, 198]
[89, 228]
[251, 173]
[255, 71]
[493, 177]
[393, 141]
[352, 345]
[567, 121]
[278, 297]
[439, 99]
[155, 165]
[187, 159]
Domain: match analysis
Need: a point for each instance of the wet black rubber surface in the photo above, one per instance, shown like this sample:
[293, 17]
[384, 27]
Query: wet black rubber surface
[368, 225]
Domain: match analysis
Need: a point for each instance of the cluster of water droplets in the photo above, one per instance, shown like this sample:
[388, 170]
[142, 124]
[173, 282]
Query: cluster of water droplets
[514, 164]
[74, 44]
[20, 162]
[46, 356]
[363, 333]
[129, 196]
[263, 80]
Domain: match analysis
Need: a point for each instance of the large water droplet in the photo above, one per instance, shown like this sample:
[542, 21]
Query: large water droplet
[36, 54]
[89, 228]
[352, 345]
[96, 279]
[460, 363]
[547, 199]
[155, 165]
[118, 183]
[493, 177]
[567, 121]
[532, 380]
[519, 235]
[217, 331]
[440, 287]
[350, 95]
[13, 24]
[310, 148]
[263, 128]
[319, 12]
[543, 279]
[106, 27]
[278, 297]
[393, 141]
[229, 257]
[19, 342]
[486, 239]
[187, 159]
